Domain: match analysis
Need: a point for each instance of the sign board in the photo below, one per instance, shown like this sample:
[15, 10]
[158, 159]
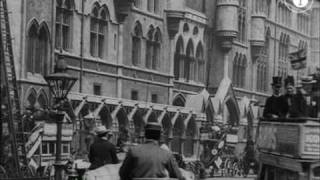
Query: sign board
[311, 138]
[232, 138]
[293, 139]
[279, 138]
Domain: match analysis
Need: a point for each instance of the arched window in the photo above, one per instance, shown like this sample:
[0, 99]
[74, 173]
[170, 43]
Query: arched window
[43, 43]
[242, 11]
[99, 31]
[37, 48]
[239, 70]
[31, 99]
[137, 3]
[189, 62]
[243, 67]
[136, 43]
[32, 45]
[190, 135]
[177, 133]
[283, 55]
[268, 8]
[262, 65]
[199, 70]
[179, 100]
[178, 59]
[156, 6]
[156, 49]
[64, 14]
[185, 27]
[150, 5]
[43, 101]
[149, 47]
[235, 70]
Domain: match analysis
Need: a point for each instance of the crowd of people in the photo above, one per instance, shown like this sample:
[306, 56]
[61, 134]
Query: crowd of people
[291, 104]
[147, 160]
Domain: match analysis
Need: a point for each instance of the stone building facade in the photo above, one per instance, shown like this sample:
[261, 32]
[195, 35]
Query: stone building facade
[179, 60]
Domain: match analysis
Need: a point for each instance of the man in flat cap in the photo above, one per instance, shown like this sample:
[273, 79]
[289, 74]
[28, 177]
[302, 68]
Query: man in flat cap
[149, 160]
[102, 151]
[275, 106]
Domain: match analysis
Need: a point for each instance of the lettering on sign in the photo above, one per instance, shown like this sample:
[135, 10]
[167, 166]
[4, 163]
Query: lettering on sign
[312, 140]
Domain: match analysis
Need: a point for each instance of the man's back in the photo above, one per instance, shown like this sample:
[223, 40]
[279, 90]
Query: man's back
[102, 152]
[149, 160]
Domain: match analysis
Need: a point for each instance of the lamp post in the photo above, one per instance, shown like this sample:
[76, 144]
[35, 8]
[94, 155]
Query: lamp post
[60, 83]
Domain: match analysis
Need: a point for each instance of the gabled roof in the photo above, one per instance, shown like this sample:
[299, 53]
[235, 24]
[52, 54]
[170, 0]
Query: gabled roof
[225, 94]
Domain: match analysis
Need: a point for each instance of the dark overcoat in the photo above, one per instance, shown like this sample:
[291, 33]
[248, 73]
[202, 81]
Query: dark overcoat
[296, 105]
[102, 152]
[275, 105]
[149, 161]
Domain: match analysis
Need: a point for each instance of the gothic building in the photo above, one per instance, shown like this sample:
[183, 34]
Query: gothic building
[178, 62]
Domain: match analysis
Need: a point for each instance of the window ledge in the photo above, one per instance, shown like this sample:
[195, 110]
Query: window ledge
[35, 78]
[152, 71]
[147, 13]
[239, 43]
[192, 83]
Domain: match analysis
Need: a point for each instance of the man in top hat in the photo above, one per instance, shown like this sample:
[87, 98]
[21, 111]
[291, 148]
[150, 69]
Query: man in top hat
[102, 151]
[149, 160]
[295, 103]
[275, 106]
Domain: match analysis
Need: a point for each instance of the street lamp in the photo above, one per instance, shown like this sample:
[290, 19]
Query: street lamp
[60, 83]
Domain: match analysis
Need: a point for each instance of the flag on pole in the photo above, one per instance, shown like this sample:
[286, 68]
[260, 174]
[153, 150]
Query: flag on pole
[298, 59]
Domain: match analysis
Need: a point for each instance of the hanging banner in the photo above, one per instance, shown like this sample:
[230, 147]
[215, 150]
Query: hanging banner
[298, 59]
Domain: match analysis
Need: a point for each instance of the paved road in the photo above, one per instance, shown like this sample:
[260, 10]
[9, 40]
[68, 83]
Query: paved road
[231, 178]
[250, 177]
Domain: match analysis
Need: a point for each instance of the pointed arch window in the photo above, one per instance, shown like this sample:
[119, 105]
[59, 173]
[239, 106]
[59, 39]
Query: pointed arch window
[37, 46]
[43, 101]
[149, 47]
[156, 49]
[242, 13]
[199, 69]
[188, 149]
[179, 59]
[239, 70]
[179, 100]
[136, 44]
[283, 55]
[189, 62]
[262, 66]
[150, 5]
[32, 41]
[41, 64]
[137, 3]
[99, 31]
[64, 18]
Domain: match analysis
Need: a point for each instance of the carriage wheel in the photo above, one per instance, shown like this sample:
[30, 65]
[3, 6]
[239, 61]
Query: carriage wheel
[3, 173]
[235, 169]
[227, 167]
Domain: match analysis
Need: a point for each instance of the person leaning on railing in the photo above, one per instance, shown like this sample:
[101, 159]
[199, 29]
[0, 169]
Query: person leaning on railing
[275, 106]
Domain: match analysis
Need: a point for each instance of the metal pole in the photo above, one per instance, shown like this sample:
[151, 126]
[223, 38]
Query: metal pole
[58, 162]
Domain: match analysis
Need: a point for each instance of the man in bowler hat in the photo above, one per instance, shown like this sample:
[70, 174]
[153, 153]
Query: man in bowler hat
[102, 151]
[275, 106]
[149, 160]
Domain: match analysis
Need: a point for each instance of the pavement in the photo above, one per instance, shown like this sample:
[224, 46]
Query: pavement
[250, 177]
